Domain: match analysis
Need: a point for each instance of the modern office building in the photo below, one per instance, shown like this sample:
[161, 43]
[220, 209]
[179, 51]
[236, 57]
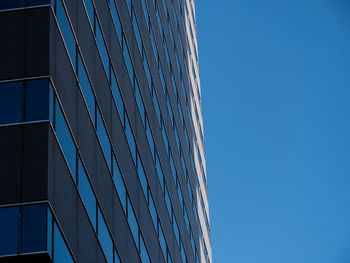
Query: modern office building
[101, 133]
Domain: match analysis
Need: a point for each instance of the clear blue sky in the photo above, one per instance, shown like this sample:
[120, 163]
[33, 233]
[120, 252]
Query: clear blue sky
[275, 77]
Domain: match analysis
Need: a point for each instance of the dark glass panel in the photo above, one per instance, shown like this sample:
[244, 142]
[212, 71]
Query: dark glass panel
[9, 230]
[38, 2]
[61, 253]
[37, 100]
[34, 228]
[103, 137]
[11, 102]
[105, 238]
[8, 4]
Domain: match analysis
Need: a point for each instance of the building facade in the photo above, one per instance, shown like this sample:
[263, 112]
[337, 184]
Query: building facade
[101, 132]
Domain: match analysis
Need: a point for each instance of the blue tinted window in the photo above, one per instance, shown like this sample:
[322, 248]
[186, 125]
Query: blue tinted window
[172, 166]
[139, 102]
[116, 19]
[176, 230]
[37, 100]
[183, 255]
[117, 98]
[142, 176]
[65, 139]
[130, 139]
[49, 232]
[153, 212]
[105, 238]
[66, 31]
[148, 73]
[9, 230]
[8, 4]
[179, 193]
[154, 45]
[149, 137]
[162, 241]
[86, 88]
[162, 79]
[128, 61]
[38, 2]
[145, 12]
[51, 104]
[87, 195]
[143, 252]
[11, 102]
[167, 201]
[116, 257]
[119, 183]
[165, 138]
[159, 172]
[102, 47]
[137, 32]
[61, 253]
[156, 105]
[102, 135]
[133, 224]
[34, 228]
[90, 10]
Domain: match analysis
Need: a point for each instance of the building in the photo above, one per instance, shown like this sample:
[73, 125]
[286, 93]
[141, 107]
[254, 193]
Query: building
[101, 133]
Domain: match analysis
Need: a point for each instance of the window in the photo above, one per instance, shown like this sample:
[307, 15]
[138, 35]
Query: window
[86, 88]
[9, 230]
[37, 103]
[104, 237]
[142, 176]
[102, 47]
[61, 253]
[34, 228]
[130, 139]
[143, 252]
[153, 212]
[162, 241]
[66, 32]
[133, 224]
[86, 193]
[8, 4]
[116, 20]
[117, 97]
[119, 184]
[11, 98]
[103, 137]
[159, 173]
[90, 10]
[65, 139]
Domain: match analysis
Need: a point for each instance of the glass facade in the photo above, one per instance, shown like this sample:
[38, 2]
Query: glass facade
[122, 100]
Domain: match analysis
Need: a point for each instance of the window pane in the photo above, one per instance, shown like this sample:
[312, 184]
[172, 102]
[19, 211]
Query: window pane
[86, 88]
[34, 228]
[61, 252]
[116, 257]
[162, 241]
[8, 4]
[11, 102]
[90, 10]
[38, 2]
[51, 104]
[133, 224]
[37, 100]
[103, 137]
[130, 139]
[9, 230]
[65, 139]
[102, 47]
[153, 212]
[119, 184]
[143, 252]
[116, 20]
[105, 238]
[86, 193]
[49, 232]
[66, 32]
[142, 177]
[117, 98]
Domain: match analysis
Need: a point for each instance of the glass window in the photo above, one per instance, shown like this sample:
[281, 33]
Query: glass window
[128, 61]
[130, 139]
[49, 232]
[51, 104]
[38, 2]
[9, 4]
[90, 10]
[173, 170]
[145, 12]
[102, 47]
[117, 97]
[86, 193]
[153, 212]
[116, 257]
[11, 102]
[116, 20]
[143, 252]
[37, 103]
[9, 230]
[162, 241]
[34, 228]
[142, 176]
[136, 30]
[159, 173]
[66, 32]
[149, 137]
[119, 183]
[154, 45]
[148, 73]
[183, 255]
[167, 201]
[65, 139]
[61, 253]
[139, 102]
[103, 137]
[86, 88]
[133, 224]
[156, 105]
[105, 238]
[176, 230]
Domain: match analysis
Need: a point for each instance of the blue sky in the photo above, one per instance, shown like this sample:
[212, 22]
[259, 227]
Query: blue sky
[275, 77]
